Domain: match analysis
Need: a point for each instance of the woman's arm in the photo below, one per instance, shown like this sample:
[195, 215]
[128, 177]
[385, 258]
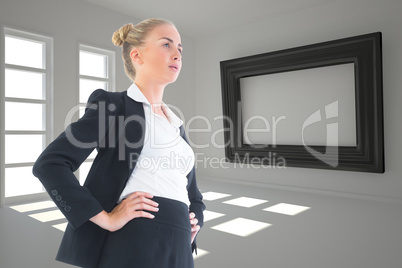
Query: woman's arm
[56, 165]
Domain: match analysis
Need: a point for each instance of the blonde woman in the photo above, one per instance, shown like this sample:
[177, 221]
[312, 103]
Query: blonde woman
[132, 211]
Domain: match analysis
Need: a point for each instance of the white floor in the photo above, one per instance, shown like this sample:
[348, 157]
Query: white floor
[244, 227]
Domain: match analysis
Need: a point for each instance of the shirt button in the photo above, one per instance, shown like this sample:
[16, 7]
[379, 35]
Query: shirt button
[54, 192]
[63, 204]
[67, 208]
[58, 197]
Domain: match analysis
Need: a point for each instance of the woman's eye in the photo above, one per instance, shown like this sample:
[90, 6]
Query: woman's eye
[179, 50]
[166, 45]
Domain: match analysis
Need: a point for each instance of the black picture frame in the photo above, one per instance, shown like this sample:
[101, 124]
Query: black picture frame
[365, 51]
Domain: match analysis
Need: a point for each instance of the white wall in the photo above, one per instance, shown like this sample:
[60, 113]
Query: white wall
[337, 20]
[76, 21]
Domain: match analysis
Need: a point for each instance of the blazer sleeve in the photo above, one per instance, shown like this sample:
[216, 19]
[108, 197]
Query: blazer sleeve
[195, 197]
[56, 165]
[196, 204]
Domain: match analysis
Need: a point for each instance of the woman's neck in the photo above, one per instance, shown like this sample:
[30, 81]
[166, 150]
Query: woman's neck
[151, 91]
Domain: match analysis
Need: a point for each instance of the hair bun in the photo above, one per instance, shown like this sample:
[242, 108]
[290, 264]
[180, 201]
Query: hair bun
[120, 35]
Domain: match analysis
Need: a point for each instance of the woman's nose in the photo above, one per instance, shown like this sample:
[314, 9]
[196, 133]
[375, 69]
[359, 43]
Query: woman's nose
[177, 56]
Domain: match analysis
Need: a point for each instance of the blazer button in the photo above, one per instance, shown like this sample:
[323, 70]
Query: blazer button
[54, 192]
[63, 204]
[58, 197]
[67, 208]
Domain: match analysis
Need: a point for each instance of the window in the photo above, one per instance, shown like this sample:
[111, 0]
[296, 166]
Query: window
[96, 70]
[26, 111]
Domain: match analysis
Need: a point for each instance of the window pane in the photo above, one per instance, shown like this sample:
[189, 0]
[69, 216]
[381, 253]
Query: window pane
[24, 52]
[89, 86]
[22, 84]
[81, 111]
[24, 116]
[20, 181]
[93, 64]
[23, 148]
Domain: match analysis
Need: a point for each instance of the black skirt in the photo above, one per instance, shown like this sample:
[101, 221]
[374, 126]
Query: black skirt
[162, 242]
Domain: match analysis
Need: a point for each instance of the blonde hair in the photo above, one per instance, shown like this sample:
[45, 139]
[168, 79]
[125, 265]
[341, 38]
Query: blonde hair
[130, 36]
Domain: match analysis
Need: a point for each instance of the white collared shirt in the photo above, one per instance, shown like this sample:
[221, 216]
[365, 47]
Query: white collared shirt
[165, 159]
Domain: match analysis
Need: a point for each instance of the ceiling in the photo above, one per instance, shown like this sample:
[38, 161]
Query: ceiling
[200, 18]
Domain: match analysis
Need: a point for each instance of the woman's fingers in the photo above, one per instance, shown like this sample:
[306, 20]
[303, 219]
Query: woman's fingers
[141, 205]
[194, 231]
[192, 215]
[145, 206]
[139, 193]
[195, 228]
[194, 221]
[142, 197]
[144, 200]
[136, 205]
[143, 214]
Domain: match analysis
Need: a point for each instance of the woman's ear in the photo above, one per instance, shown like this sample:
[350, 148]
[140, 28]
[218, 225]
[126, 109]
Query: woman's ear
[136, 55]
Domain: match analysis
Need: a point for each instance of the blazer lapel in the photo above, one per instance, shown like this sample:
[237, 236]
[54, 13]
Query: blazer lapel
[132, 138]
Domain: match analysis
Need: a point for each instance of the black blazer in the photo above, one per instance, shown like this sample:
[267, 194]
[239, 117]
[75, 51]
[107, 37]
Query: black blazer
[114, 124]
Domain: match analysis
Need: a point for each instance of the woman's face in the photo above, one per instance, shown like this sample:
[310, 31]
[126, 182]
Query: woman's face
[160, 58]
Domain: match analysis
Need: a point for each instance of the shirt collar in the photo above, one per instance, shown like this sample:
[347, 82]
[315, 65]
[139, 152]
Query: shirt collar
[136, 94]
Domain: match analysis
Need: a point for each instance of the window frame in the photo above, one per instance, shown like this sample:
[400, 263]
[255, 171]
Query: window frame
[110, 79]
[47, 102]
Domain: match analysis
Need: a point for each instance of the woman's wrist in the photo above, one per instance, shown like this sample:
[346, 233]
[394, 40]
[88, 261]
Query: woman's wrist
[102, 219]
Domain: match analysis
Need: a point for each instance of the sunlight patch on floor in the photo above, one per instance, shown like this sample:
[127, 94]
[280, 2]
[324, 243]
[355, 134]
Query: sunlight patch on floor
[200, 253]
[34, 206]
[212, 196]
[241, 227]
[245, 202]
[61, 226]
[48, 216]
[210, 215]
[287, 209]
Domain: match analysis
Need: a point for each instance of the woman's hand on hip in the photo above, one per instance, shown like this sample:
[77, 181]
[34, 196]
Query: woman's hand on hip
[194, 226]
[135, 205]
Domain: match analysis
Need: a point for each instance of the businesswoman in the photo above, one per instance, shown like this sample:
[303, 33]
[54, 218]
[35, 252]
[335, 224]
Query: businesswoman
[140, 205]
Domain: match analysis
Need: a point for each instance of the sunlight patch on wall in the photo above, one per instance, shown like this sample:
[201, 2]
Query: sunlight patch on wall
[241, 227]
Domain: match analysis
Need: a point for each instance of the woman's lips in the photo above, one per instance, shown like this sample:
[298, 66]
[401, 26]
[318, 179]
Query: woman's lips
[174, 67]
